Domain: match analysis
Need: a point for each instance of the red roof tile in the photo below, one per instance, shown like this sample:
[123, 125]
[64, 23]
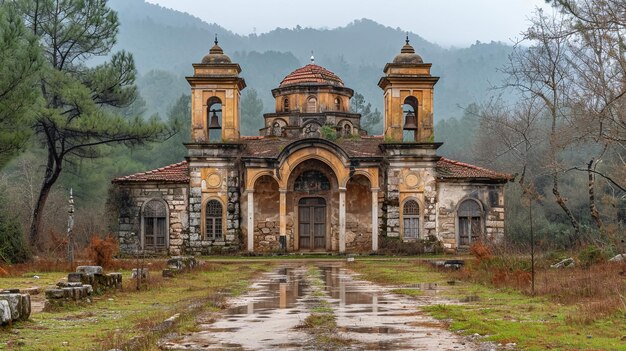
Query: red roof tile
[450, 169]
[176, 173]
[311, 74]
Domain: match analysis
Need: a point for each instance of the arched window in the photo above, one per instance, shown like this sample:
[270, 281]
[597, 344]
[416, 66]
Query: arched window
[311, 105]
[337, 104]
[470, 222]
[286, 105]
[154, 225]
[409, 112]
[411, 219]
[347, 130]
[213, 219]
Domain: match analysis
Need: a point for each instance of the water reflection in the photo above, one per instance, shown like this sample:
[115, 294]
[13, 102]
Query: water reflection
[268, 316]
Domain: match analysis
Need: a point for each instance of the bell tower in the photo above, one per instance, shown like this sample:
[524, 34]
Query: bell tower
[408, 92]
[215, 92]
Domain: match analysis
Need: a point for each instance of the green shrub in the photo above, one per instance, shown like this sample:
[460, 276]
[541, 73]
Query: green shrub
[13, 245]
[328, 132]
[591, 255]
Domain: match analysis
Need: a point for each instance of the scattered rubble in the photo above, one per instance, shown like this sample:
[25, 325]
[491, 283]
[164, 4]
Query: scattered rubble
[178, 264]
[618, 258]
[566, 263]
[87, 280]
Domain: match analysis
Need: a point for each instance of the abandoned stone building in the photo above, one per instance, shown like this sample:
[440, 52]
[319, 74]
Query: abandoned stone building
[313, 180]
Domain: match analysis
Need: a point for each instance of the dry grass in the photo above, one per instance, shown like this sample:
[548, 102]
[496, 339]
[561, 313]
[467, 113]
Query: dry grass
[598, 291]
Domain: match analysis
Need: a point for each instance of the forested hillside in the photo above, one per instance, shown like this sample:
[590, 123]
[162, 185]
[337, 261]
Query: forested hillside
[170, 41]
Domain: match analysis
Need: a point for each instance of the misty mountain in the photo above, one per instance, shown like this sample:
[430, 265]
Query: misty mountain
[170, 41]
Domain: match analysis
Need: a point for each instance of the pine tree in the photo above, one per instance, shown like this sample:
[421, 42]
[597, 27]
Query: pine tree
[81, 103]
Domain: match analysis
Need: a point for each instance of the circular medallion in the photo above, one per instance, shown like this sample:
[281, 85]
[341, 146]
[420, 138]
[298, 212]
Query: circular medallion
[214, 180]
[411, 180]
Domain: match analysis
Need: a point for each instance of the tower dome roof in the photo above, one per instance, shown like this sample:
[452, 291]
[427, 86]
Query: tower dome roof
[407, 55]
[311, 74]
[216, 55]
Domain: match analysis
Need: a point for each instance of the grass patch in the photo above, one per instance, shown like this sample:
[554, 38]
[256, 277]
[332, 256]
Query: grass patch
[116, 318]
[505, 315]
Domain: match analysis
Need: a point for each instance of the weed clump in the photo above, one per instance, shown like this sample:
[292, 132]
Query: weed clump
[101, 251]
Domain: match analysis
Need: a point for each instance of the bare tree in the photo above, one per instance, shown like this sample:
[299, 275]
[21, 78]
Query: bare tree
[542, 71]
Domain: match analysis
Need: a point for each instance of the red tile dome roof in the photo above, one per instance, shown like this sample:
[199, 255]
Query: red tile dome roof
[311, 74]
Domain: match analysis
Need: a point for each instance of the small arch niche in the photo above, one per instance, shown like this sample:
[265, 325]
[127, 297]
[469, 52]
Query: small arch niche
[286, 104]
[410, 106]
[311, 105]
[346, 131]
[338, 104]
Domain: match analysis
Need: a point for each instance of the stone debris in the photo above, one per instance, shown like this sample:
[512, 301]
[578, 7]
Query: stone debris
[618, 258]
[566, 263]
[179, 264]
[14, 306]
[140, 272]
[81, 284]
[451, 264]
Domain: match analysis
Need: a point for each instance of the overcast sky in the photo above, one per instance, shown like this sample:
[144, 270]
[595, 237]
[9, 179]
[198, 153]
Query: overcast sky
[446, 22]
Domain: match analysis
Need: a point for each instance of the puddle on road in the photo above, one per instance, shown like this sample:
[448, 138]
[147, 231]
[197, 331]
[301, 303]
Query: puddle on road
[367, 315]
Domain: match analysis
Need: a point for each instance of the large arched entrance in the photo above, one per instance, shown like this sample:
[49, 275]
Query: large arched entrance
[314, 198]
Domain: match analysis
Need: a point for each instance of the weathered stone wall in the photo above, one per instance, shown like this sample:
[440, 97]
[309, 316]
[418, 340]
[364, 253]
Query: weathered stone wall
[392, 203]
[266, 215]
[176, 198]
[358, 215]
[451, 195]
[210, 181]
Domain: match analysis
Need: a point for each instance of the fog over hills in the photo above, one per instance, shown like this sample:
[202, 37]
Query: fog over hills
[170, 41]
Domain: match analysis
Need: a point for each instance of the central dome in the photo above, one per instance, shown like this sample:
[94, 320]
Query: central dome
[311, 74]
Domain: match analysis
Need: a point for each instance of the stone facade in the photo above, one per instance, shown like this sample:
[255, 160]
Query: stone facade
[313, 180]
[176, 196]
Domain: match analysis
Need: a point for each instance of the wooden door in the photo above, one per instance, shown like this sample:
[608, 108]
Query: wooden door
[312, 223]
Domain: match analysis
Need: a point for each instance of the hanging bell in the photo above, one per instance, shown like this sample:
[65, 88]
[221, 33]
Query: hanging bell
[215, 123]
[410, 122]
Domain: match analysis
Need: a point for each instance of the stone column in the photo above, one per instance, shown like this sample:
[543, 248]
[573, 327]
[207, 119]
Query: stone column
[342, 220]
[374, 219]
[283, 216]
[250, 220]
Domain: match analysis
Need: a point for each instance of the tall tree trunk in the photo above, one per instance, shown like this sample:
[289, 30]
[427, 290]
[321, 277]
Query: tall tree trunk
[595, 214]
[53, 170]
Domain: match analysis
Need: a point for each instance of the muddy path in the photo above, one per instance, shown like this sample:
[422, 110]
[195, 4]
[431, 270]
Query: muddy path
[318, 306]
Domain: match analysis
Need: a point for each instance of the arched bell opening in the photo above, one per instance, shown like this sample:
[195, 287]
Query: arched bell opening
[409, 111]
[214, 119]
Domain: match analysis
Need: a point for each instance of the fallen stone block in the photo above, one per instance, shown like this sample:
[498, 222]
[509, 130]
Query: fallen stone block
[54, 294]
[89, 269]
[139, 272]
[169, 273]
[75, 277]
[566, 263]
[15, 302]
[618, 258]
